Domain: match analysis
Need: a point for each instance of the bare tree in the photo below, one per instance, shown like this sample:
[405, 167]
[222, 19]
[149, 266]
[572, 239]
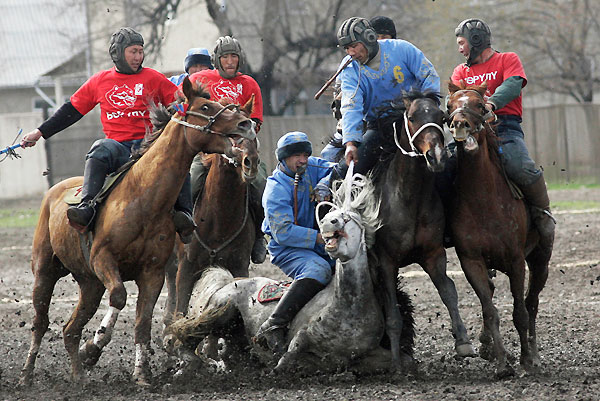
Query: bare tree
[558, 42]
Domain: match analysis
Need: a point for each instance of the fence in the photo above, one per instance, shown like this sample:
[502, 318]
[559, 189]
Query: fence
[563, 139]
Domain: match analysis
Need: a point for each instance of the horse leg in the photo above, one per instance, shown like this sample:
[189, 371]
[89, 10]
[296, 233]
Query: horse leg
[393, 317]
[476, 273]
[435, 266]
[184, 284]
[486, 350]
[538, 274]
[520, 315]
[171, 277]
[47, 273]
[90, 295]
[149, 282]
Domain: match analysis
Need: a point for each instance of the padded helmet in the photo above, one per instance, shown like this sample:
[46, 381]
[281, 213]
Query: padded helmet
[356, 29]
[293, 143]
[119, 41]
[227, 45]
[195, 56]
[477, 33]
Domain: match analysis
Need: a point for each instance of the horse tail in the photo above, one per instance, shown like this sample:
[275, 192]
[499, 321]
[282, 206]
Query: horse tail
[192, 329]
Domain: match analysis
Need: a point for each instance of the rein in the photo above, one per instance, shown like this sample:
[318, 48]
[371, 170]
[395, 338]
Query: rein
[411, 138]
[212, 252]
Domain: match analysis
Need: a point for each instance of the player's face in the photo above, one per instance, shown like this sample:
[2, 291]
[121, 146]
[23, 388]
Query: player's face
[463, 46]
[134, 55]
[357, 51]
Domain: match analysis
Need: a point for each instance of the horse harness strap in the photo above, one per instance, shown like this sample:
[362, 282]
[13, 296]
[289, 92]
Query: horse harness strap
[411, 138]
[212, 252]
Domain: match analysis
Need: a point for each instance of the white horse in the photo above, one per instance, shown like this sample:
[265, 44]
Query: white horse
[342, 327]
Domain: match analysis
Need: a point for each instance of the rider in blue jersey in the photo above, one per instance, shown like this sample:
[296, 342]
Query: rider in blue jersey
[381, 71]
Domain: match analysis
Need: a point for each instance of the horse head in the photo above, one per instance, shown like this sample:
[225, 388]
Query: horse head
[217, 128]
[423, 126]
[343, 234]
[353, 219]
[467, 113]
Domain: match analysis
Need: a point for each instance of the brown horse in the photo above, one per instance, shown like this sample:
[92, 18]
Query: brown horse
[412, 214]
[225, 232]
[133, 236]
[491, 229]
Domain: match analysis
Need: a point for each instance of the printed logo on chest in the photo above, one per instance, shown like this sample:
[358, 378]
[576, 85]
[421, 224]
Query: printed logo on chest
[121, 97]
[481, 78]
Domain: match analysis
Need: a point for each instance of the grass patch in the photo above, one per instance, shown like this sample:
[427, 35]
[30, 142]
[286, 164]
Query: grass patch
[571, 185]
[574, 205]
[18, 218]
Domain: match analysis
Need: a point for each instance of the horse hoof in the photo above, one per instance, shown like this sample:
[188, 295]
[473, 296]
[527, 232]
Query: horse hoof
[505, 372]
[89, 354]
[486, 352]
[465, 350]
[143, 381]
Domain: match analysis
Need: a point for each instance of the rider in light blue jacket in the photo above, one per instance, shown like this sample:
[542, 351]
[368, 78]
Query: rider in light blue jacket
[295, 246]
[381, 71]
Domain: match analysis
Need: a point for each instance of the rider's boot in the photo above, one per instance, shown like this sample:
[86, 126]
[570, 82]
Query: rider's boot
[94, 175]
[537, 197]
[272, 331]
[259, 249]
[183, 220]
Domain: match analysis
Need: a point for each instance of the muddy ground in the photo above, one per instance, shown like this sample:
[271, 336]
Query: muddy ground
[568, 334]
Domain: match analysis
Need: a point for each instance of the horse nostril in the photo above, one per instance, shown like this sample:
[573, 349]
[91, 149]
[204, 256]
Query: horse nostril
[245, 125]
[247, 163]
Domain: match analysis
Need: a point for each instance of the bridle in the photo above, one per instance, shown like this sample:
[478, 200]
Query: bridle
[480, 119]
[411, 138]
[210, 121]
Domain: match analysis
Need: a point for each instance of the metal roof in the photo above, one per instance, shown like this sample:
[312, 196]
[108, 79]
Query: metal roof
[37, 36]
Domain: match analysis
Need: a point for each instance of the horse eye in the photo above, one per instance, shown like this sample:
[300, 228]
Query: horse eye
[204, 107]
[411, 119]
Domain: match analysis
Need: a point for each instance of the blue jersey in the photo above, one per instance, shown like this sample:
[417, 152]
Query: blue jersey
[366, 91]
[278, 202]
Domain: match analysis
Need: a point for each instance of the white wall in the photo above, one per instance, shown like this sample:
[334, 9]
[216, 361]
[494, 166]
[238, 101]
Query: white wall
[22, 177]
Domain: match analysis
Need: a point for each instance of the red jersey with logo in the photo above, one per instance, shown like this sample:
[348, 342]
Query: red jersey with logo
[238, 89]
[494, 71]
[124, 100]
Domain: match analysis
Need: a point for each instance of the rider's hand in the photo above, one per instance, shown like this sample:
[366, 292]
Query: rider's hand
[31, 138]
[322, 192]
[320, 239]
[351, 153]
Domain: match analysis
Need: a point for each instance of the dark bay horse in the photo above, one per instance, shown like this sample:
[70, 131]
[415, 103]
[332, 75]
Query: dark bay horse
[491, 229]
[225, 225]
[132, 239]
[412, 213]
[225, 232]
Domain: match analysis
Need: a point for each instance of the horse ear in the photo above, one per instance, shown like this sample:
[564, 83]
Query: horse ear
[188, 88]
[249, 106]
[482, 88]
[452, 87]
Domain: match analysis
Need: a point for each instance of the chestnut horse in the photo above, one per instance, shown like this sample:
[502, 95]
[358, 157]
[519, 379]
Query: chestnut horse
[225, 229]
[132, 239]
[412, 214]
[491, 229]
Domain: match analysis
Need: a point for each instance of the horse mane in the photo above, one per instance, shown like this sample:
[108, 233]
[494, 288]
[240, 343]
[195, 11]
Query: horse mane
[160, 117]
[364, 201]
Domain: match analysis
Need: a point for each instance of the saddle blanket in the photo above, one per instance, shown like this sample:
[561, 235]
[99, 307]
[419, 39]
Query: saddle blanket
[273, 292]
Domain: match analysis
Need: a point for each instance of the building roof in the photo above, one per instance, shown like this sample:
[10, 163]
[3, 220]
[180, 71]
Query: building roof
[38, 36]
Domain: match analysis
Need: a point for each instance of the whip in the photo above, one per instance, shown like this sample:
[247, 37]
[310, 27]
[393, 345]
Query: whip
[330, 81]
[10, 150]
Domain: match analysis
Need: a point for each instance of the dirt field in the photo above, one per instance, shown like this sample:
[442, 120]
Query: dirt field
[568, 333]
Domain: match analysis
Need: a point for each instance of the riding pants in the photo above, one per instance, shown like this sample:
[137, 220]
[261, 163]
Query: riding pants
[516, 160]
[115, 154]
[299, 263]
[369, 153]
